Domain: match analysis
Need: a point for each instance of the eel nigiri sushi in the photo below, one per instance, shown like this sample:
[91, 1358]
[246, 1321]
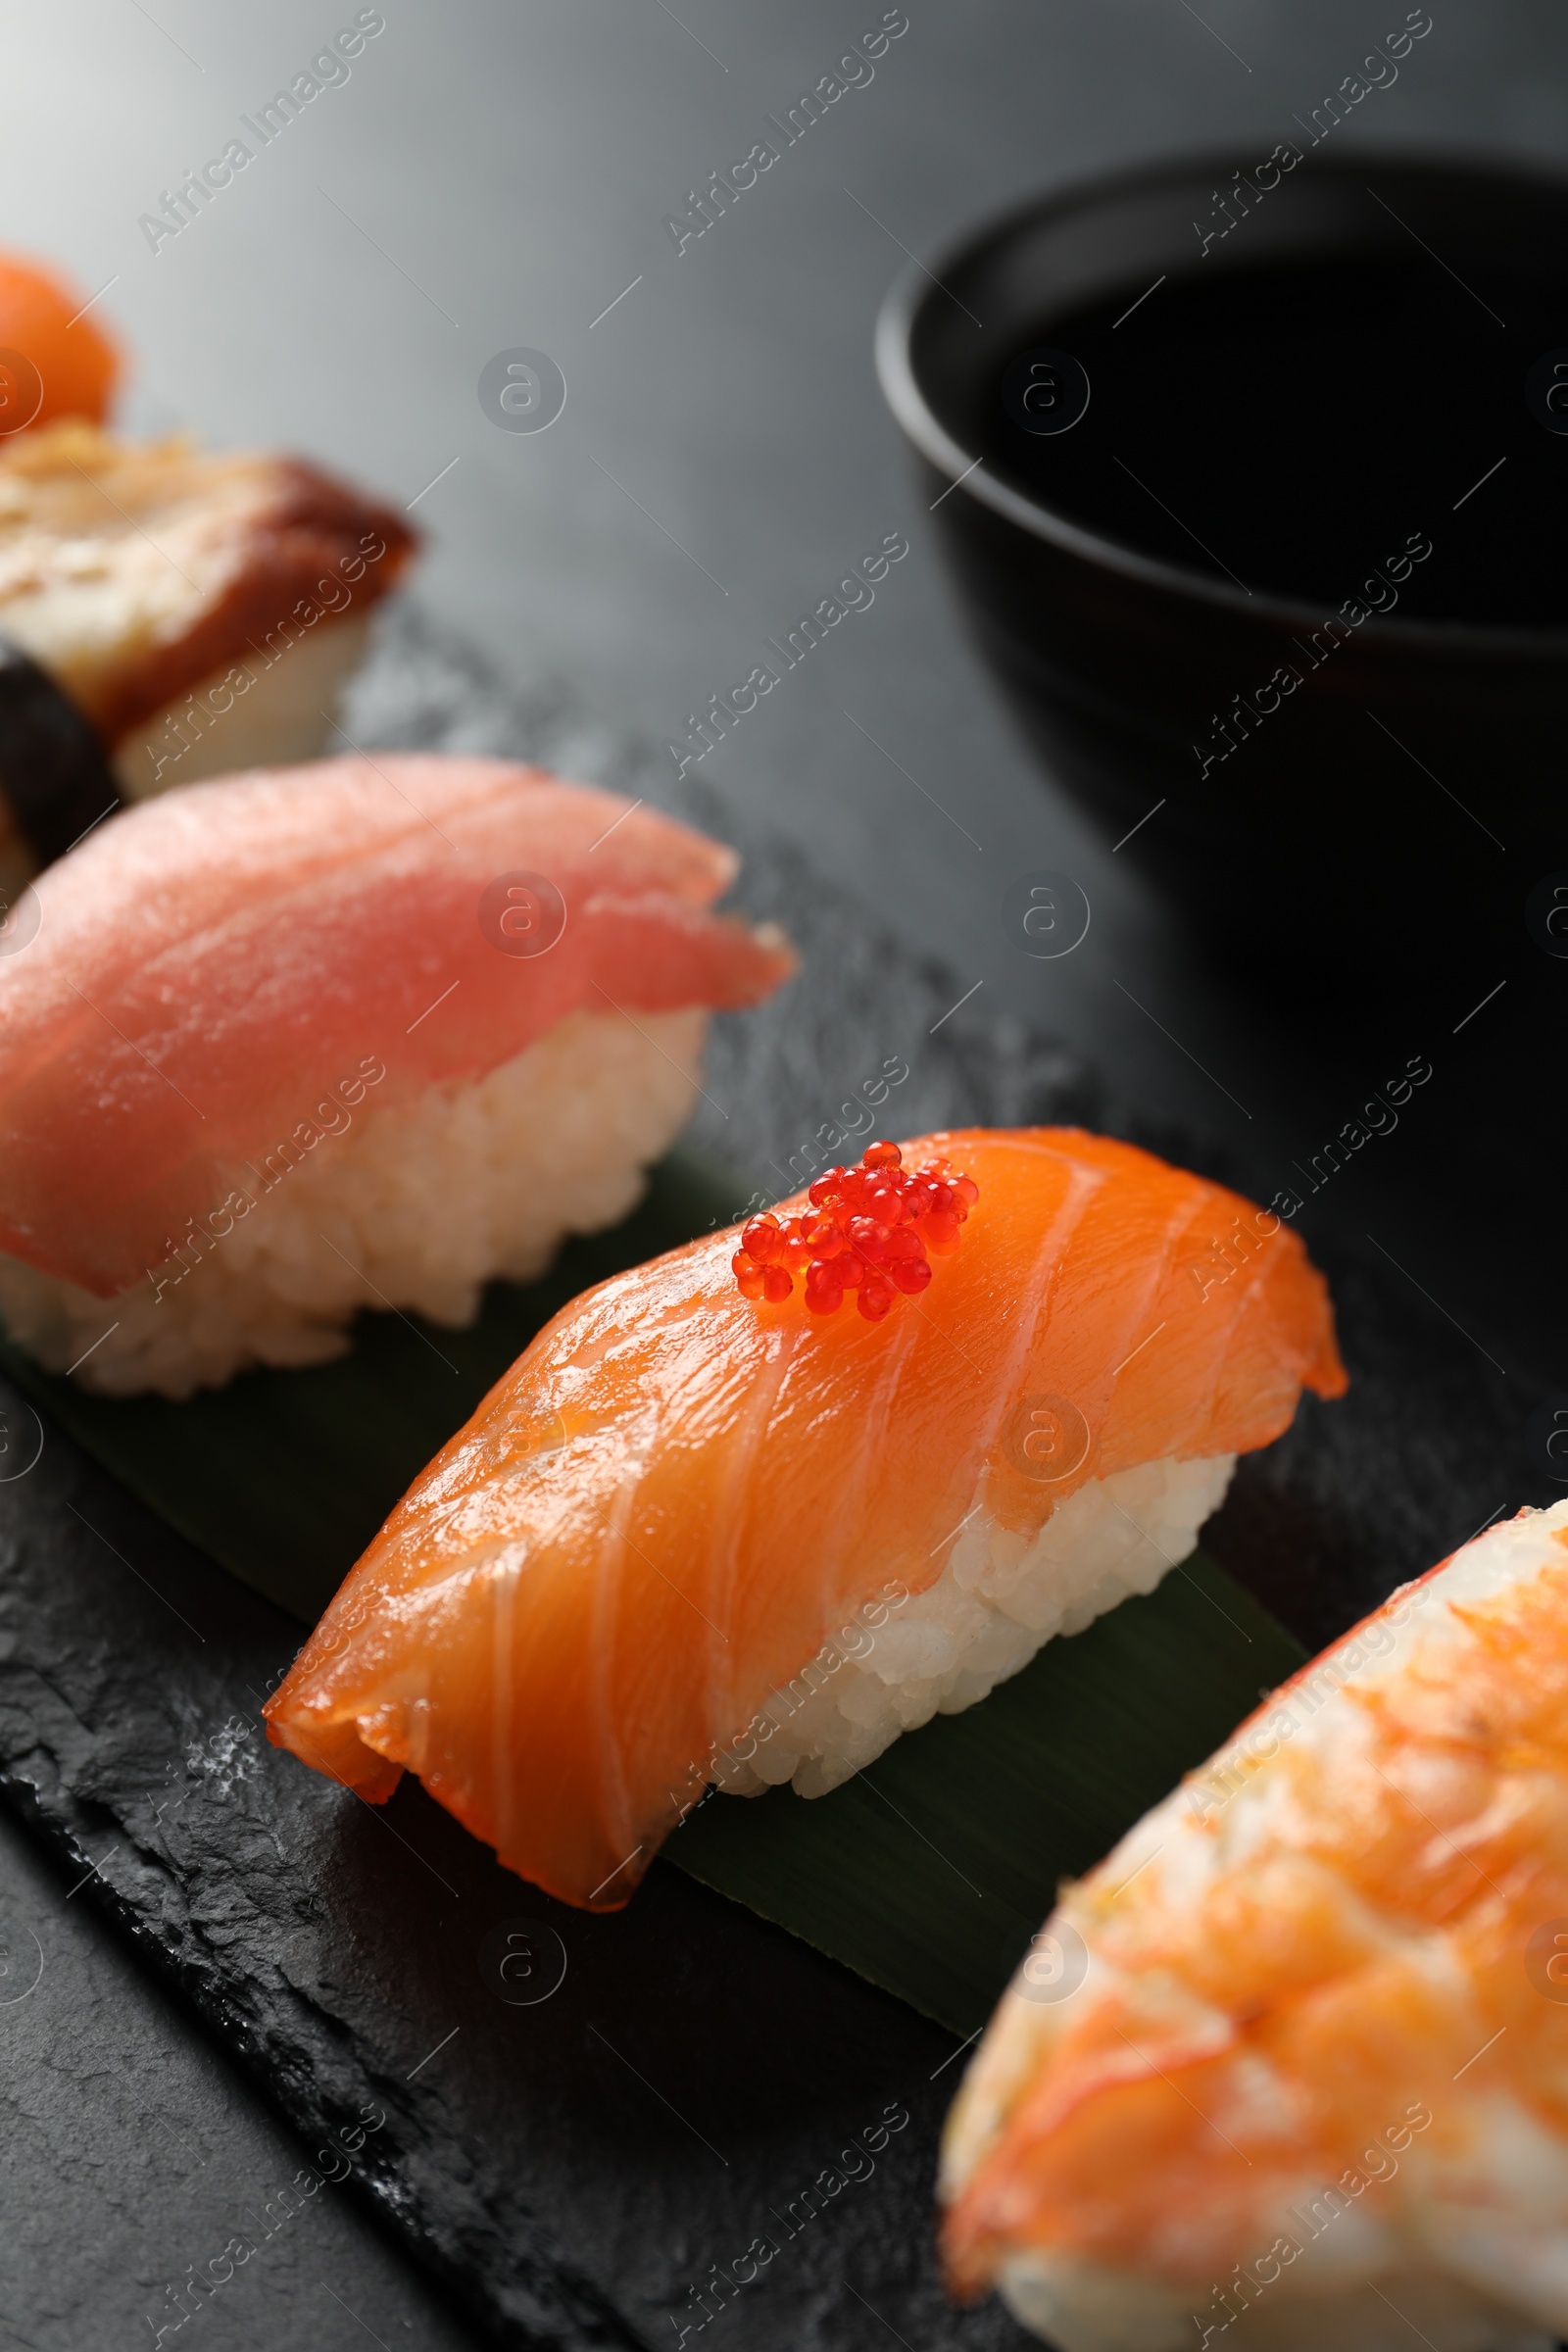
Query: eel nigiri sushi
[1290, 2068]
[195, 613]
[362, 1033]
[712, 1526]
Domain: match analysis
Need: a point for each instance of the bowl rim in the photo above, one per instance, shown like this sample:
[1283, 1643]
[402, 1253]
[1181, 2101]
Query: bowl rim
[920, 282]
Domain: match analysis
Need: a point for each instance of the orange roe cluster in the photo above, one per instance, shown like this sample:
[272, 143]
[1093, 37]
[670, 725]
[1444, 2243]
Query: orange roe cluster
[867, 1230]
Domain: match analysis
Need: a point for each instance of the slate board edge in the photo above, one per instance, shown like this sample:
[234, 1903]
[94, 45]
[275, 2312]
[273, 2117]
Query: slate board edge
[61, 1826]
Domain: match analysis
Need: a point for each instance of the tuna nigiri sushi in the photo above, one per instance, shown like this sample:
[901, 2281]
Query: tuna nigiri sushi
[1289, 2068]
[715, 1527]
[362, 1033]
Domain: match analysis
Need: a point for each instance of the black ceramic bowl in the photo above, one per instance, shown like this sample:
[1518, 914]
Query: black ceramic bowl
[1155, 586]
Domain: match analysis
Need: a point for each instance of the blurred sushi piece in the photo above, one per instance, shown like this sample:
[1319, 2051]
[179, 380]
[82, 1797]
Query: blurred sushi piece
[55, 358]
[716, 1528]
[1290, 2069]
[177, 614]
[355, 1033]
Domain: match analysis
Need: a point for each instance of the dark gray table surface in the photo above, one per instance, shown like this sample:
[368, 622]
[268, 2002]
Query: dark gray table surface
[493, 176]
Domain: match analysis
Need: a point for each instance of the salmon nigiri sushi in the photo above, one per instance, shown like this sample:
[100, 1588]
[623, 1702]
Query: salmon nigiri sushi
[743, 1514]
[368, 1032]
[1290, 2069]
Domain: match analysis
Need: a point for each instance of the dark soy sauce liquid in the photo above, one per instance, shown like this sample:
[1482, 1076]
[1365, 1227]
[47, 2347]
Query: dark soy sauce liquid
[1304, 422]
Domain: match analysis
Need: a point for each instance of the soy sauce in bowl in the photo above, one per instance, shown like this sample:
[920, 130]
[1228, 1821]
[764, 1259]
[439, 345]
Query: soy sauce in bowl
[1265, 537]
[1282, 427]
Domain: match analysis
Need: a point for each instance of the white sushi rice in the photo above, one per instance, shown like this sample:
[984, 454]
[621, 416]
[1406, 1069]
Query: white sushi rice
[284, 712]
[415, 1206]
[1081, 2307]
[998, 1599]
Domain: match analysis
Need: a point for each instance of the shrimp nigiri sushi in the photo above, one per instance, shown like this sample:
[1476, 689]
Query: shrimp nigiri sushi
[366, 1032]
[1291, 2067]
[715, 1527]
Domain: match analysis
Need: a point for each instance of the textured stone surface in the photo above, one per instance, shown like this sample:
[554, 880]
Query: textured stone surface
[133, 2155]
[573, 2168]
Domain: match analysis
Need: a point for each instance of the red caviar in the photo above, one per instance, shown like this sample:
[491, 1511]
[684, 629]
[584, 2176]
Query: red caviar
[763, 1239]
[869, 1231]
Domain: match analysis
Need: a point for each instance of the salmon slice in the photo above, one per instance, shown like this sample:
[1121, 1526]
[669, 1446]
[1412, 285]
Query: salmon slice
[1295, 2058]
[656, 1518]
[205, 966]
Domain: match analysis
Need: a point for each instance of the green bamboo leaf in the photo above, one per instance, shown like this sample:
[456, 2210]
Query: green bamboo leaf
[929, 1871]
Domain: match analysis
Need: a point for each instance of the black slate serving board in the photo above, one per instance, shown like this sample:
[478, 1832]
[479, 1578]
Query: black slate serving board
[590, 2168]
